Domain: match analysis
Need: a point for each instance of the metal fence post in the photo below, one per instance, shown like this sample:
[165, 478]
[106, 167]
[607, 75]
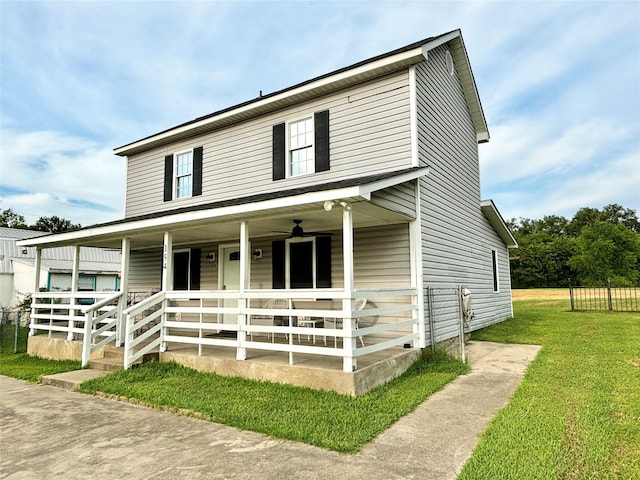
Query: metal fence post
[571, 295]
[609, 294]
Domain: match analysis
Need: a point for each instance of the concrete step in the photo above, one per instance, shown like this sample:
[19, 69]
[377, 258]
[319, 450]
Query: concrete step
[71, 380]
[107, 364]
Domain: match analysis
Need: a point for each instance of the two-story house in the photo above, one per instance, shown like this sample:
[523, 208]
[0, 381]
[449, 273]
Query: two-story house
[325, 227]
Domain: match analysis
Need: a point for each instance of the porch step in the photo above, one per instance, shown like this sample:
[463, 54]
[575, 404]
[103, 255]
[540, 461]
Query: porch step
[71, 380]
[114, 360]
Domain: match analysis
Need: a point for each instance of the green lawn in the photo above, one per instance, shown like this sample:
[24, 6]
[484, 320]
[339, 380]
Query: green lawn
[577, 412]
[22, 366]
[326, 419]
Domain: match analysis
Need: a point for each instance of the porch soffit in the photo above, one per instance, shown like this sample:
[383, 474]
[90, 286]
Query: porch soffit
[269, 215]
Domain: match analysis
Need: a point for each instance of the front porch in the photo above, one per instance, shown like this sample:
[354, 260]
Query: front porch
[185, 327]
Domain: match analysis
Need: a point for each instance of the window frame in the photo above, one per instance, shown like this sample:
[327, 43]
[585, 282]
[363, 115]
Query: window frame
[495, 271]
[287, 260]
[176, 176]
[289, 151]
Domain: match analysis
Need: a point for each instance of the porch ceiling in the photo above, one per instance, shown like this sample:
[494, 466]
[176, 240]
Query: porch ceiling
[276, 222]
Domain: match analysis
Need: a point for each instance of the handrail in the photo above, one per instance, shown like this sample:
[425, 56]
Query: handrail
[144, 304]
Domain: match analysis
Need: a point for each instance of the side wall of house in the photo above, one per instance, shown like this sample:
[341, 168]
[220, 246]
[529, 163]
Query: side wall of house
[368, 133]
[456, 241]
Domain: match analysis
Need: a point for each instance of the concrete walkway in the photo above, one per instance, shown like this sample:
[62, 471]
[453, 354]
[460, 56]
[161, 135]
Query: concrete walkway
[47, 432]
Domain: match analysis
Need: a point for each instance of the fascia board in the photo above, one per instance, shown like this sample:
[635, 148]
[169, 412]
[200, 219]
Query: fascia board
[169, 221]
[492, 213]
[339, 80]
[369, 188]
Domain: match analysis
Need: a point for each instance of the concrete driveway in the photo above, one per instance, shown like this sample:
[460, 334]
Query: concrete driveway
[50, 433]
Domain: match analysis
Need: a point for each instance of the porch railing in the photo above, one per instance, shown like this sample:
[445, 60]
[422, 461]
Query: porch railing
[101, 325]
[228, 319]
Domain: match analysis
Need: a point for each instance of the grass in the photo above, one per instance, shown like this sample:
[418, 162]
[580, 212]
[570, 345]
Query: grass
[23, 366]
[577, 412]
[329, 420]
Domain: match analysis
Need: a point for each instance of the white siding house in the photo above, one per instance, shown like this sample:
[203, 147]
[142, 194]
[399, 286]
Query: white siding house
[323, 224]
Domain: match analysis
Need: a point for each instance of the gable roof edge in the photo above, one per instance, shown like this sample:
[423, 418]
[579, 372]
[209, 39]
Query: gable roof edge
[490, 211]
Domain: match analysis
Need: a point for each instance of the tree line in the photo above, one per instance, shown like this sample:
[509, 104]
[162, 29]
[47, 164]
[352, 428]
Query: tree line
[594, 247]
[53, 224]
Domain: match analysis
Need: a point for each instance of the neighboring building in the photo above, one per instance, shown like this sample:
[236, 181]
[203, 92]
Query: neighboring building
[359, 184]
[98, 268]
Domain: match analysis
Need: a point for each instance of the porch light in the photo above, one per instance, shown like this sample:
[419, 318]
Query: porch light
[328, 205]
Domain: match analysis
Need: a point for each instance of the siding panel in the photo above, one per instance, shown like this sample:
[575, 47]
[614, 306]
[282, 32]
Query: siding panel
[369, 133]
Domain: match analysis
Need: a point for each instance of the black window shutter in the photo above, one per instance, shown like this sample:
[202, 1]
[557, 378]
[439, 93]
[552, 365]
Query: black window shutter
[279, 151]
[194, 268]
[277, 263]
[323, 262]
[197, 171]
[168, 178]
[321, 140]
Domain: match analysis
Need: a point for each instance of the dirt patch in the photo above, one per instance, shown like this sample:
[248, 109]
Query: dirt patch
[540, 294]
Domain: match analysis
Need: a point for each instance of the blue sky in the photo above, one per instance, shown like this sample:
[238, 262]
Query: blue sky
[559, 83]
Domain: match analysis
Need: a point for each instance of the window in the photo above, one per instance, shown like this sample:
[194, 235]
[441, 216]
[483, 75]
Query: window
[301, 147]
[302, 263]
[186, 269]
[86, 283]
[183, 174]
[494, 268]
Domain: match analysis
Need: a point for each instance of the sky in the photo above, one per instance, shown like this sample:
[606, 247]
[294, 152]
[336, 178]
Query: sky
[559, 83]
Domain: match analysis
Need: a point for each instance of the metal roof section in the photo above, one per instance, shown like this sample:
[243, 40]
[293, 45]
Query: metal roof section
[344, 77]
[264, 211]
[10, 250]
[64, 266]
[490, 211]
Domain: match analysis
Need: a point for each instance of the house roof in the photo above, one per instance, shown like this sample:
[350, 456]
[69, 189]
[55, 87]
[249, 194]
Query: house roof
[10, 250]
[357, 73]
[497, 222]
[263, 210]
[65, 266]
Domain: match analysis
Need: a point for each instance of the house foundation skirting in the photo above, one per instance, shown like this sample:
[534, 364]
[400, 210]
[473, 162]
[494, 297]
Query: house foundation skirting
[57, 348]
[349, 383]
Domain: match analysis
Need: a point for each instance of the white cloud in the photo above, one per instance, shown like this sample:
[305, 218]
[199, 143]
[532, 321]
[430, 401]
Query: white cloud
[51, 173]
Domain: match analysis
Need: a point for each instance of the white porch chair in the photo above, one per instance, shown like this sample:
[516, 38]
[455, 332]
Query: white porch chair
[334, 323]
[269, 320]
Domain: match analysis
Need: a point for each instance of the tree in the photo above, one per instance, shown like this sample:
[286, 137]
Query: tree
[54, 224]
[606, 250]
[8, 218]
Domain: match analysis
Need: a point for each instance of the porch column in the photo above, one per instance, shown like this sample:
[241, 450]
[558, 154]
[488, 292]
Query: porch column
[417, 274]
[415, 255]
[349, 362]
[167, 280]
[75, 275]
[124, 288]
[36, 286]
[245, 262]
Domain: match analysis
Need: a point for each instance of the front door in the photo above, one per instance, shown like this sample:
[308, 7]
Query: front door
[230, 278]
[181, 261]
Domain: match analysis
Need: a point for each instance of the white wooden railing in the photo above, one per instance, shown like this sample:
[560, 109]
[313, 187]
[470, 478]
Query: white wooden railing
[101, 325]
[198, 317]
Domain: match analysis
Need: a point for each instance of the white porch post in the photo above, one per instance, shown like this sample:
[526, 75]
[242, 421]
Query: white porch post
[349, 363]
[167, 279]
[417, 274]
[36, 286]
[124, 288]
[245, 262]
[75, 275]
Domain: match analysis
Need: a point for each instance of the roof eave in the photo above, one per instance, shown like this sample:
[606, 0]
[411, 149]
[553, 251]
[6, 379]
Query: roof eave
[343, 78]
[492, 214]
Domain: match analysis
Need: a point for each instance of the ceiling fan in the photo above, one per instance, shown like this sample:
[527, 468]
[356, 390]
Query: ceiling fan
[298, 232]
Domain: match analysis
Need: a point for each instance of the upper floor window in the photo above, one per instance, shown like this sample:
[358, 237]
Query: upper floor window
[183, 174]
[301, 147]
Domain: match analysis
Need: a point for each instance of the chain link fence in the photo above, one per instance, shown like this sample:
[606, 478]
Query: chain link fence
[13, 330]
